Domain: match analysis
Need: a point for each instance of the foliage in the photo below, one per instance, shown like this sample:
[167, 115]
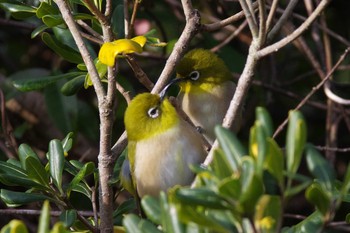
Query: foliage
[253, 181]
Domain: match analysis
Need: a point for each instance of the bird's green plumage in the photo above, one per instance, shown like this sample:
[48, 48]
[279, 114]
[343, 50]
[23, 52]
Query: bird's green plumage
[213, 71]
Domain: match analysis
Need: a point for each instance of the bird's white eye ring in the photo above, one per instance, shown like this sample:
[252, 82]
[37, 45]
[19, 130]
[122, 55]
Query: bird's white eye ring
[194, 75]
[153, 112]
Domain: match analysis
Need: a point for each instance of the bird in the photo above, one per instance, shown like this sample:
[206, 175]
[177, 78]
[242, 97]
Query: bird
[206, 89]
[161, 146]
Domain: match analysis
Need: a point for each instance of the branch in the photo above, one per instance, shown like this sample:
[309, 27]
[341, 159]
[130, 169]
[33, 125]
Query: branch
[250, 18]
[68, 18]
[342, 57]
[302, 28]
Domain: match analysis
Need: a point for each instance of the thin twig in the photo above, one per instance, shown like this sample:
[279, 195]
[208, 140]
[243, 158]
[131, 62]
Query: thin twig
[133, 17]
[231, 37]
[55, 213]
[285, 16]
[250, 18]
[302, 28]
[316, 88]
[86, 27]
[139, 73]
[271, 14]
[126, 19]
[225, 22]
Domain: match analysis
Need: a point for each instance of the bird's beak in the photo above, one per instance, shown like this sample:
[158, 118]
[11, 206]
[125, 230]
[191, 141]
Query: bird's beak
[162, 94]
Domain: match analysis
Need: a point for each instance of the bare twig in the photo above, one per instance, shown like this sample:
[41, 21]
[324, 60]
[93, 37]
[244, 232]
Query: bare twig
[271, 14]
[303, 27]
[250, 18]
[342, 57]
[287, 13]
[139, 73]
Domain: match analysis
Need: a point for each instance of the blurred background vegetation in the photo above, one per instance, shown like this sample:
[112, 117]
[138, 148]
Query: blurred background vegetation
[281, 81]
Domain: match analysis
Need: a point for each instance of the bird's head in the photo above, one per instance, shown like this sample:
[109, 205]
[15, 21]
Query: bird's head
[200, 70]
[148, 115]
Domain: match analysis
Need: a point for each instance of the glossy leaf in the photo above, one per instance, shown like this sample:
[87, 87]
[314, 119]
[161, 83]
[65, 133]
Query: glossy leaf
[151, 207]
[264, 118]
[46, 9]
[258, 146]
[44, 219]
[134, 224]
[36, 171]
[127, 206]
[56, 161]
[169, 216]
[38, 83]
[73, 86]
[233, 149]
[318, 196]
[313, 223]
[219, 165]
[201, 197]
[13, 199]
[68, 217]
[346, 183]
[14, 226]
[38, 30]
[59, 228]
[230, 188]
[18, 11]
[319, 167]
[268, 213]
[84, 189]
[25, 151]
[61, 49]
[86, 170]
[67, 143]
[252, 186]
[274, 162]
[296, 139]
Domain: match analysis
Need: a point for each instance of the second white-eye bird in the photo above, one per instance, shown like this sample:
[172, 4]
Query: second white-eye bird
[161, 145]
[206, 89]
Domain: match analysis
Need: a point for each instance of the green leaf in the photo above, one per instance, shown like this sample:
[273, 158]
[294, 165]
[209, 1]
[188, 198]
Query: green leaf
[56, 160]
[73, 86]
[38, 30]
[296, 139]
[14, 226]
[46, 9]
[44, 219]
[230, 188]
[13, 199]
[126, 207]
[59, 228]
[274, 162]
[25, 151]
[252, 186]
[258, 146]
[61, 49]
[151, 207]
[62, 109]
[135, 224]
[268, 213]
[318, 196]
[346, 183]
[37, 83]
[169, 216]
[219, 165]
[264, 118]
[319, 167]
[68, 217]
[18, 11]
[67, 142]
[36, 171]
[201, 197]
[233, 149]
[13, 175]
[313, 223]
[117, 20]
[87, 169]
[84, 189]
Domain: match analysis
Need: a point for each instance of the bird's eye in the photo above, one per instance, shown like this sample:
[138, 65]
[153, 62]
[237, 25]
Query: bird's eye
[194, 75]
[153, 112]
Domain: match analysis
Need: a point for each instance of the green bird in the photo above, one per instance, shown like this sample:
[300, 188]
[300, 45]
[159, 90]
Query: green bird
[206, 89]
[161, 146]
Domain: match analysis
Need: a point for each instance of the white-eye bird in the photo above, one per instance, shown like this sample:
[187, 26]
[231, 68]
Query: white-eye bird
[206, 89]
[161, 146]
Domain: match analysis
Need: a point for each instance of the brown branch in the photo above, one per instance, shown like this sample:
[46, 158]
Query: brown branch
[316, 88]
[302, 28]
[139, 73]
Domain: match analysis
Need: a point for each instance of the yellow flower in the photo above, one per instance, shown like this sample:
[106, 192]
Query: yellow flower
[266, 223]
[110, 50]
